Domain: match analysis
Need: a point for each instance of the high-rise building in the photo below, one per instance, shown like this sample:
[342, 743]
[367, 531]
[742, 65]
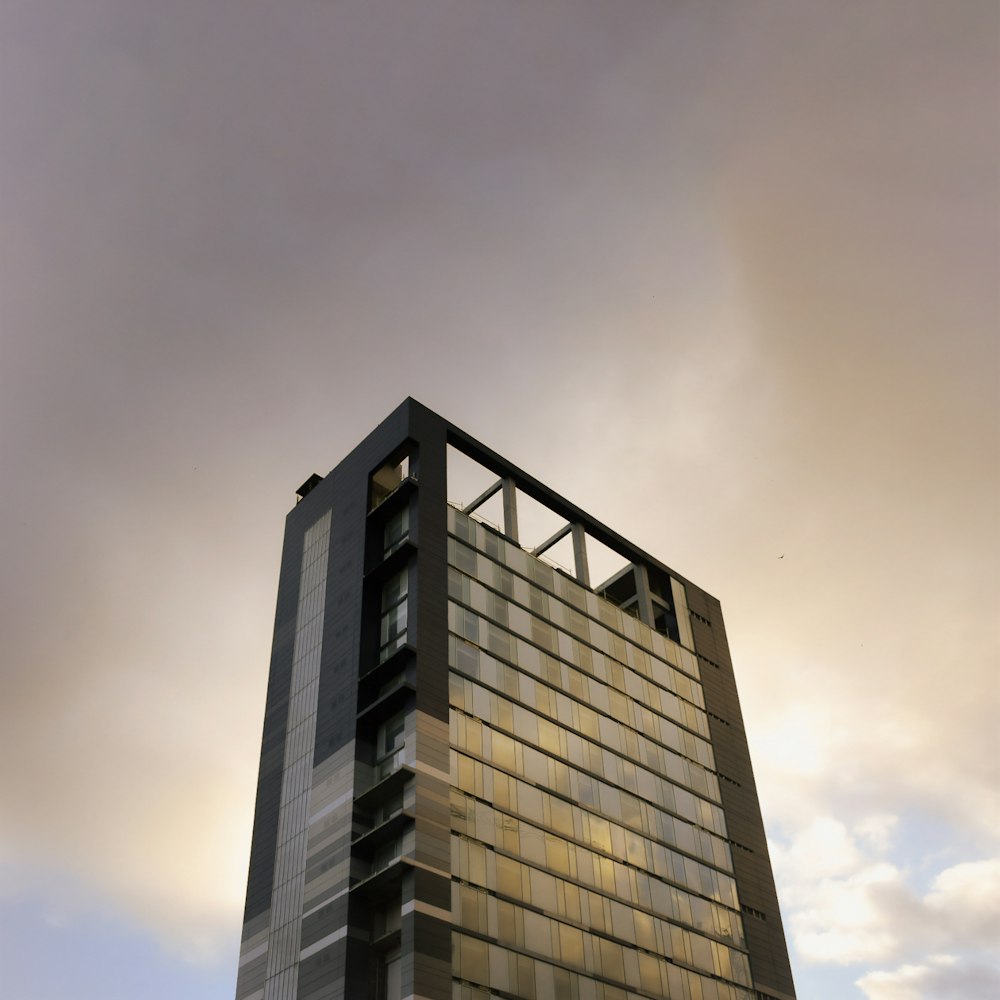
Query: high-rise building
[486, 774]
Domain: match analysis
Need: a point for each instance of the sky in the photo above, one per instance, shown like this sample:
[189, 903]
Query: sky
[725, 275]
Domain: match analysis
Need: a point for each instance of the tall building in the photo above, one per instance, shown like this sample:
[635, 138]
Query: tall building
[483, 774]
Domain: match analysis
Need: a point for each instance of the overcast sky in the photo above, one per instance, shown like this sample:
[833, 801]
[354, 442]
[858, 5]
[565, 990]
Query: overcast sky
[723, 274]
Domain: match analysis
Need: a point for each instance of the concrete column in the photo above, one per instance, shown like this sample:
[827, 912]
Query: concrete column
[510, 509]
[580, 555]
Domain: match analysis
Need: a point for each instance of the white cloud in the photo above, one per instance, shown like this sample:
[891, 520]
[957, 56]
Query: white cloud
[845, 903]
[825, 848]
[877, 831]
[941, 977]
[846, 920]
[965, 899]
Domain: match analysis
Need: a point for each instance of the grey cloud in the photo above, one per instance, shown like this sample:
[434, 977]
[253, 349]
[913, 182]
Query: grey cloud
[963, 980]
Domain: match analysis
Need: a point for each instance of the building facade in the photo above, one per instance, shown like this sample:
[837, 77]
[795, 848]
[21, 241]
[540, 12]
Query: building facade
[483, 774]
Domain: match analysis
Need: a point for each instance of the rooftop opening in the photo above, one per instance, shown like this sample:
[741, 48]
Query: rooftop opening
[388, 478]
[495, 498]
[307, 487]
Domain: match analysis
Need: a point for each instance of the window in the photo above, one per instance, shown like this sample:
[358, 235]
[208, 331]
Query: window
[397, 530]
[391, 852]
[391, 735]
[391, 745]
[390, 977]
[394, 606]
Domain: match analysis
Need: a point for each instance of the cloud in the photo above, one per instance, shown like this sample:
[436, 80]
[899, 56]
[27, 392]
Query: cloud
[965, 899]
[845, 904]
[824, 849]
[850, 919]
[941, 977]
[877, 831]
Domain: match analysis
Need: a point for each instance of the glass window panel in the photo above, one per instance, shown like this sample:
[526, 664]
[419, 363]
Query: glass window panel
[559, 778]
[397, 530]
[482, 703]
[506, 923]
[539, 603]
[525, 724]
[503, 714]
[561, 816]
[577, 624]
[526, 977]
[491, 542]
[542, 699]
[543, 634]
[465, 559]
[466, 657]
[631, 961]
[392, 734]
[503, 580]
[675, 981]
[557, 854]
[621, 920]
[649, 974]
[519, 621]
[618, 704]
[466, 774]
[469, 900]
[485, 819]
[456, 691]
[477, 864]
[610, 798]
[577, 685]
[536, 766]
[467, 624]
[599, 698]
[543, 890]
[571, 945]
[586, 791]
[701, 952]
[508, 876]
[503, 751]
[612, 964]
[498, 641]
[545, 985]
[645, 934]
[541, 573]
[548, 736]
[479, 598]
[474, 958]
[533, 846]
[721, 961]
[631, 810]
[395, 589]
[600, 833]
[589, 723]
[529, 803]
[499, 974]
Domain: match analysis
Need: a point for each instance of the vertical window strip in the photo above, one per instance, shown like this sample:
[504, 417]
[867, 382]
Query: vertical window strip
[300, 731]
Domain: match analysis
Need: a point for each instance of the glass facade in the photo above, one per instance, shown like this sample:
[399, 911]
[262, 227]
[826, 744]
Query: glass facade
[589, 851]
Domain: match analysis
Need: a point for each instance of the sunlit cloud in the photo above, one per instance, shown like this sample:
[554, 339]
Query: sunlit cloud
[940, 977]
[846, 905]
